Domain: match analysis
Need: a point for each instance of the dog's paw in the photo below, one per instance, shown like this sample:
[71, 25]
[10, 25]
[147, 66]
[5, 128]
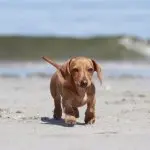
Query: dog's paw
[57, 117]
[57, 114]
[89, 121]
[89, 118]
[70, 120]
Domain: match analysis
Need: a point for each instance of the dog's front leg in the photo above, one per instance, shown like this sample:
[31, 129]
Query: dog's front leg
[70, 118]
[90, 111]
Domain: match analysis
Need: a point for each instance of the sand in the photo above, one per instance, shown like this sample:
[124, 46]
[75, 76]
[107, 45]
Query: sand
[122, 117]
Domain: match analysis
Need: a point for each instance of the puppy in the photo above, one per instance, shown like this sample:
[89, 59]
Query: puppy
[71, 87]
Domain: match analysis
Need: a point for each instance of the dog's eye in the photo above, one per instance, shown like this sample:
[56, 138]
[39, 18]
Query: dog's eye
[75, 70]
[90, 70]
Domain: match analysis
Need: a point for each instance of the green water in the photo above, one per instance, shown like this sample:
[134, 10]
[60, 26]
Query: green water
[32, 48]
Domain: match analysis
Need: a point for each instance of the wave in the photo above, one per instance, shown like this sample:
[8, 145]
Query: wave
[116, 69]
[30, 75]
[119, 47]
[140, 46]
[127, 75]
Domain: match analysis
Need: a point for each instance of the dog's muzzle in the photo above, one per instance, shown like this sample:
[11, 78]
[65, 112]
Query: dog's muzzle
[83, 84]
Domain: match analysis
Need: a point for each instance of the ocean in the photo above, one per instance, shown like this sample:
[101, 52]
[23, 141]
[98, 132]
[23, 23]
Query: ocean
[41, 69]
[75, 18]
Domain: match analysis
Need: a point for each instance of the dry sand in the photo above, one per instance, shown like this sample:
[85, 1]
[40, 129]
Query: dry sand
[123, 117]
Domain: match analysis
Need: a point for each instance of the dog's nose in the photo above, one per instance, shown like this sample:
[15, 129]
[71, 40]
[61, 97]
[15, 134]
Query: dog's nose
[83, 83]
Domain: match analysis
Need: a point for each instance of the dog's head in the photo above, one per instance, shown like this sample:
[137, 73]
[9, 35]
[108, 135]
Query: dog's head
[81, 70]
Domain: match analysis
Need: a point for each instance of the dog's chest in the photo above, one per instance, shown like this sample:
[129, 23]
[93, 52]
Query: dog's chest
[81, 100]
[85, 97]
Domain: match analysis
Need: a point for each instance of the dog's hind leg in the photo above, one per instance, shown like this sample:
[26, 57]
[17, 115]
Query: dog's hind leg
[57, 99]
[76, 112]
[57, 110]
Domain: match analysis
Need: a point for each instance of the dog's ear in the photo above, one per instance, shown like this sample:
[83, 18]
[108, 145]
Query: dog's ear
[98, 69]
[65, 69]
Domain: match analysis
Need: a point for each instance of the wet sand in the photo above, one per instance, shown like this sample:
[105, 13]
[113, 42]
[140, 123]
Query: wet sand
[122, 112]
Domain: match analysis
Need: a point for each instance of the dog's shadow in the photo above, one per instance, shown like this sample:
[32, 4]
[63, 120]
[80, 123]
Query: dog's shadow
[60, 122]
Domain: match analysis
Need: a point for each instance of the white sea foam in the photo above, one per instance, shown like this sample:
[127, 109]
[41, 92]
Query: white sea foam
[139, 46]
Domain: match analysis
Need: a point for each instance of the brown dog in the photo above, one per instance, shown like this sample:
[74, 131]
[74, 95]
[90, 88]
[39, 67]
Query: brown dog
[73, 83]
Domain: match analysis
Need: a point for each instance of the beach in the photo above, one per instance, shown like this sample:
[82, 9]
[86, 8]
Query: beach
[113, 33]
[122, 115]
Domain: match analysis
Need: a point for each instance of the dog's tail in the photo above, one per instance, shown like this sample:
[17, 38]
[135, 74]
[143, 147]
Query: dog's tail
[57, 66]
